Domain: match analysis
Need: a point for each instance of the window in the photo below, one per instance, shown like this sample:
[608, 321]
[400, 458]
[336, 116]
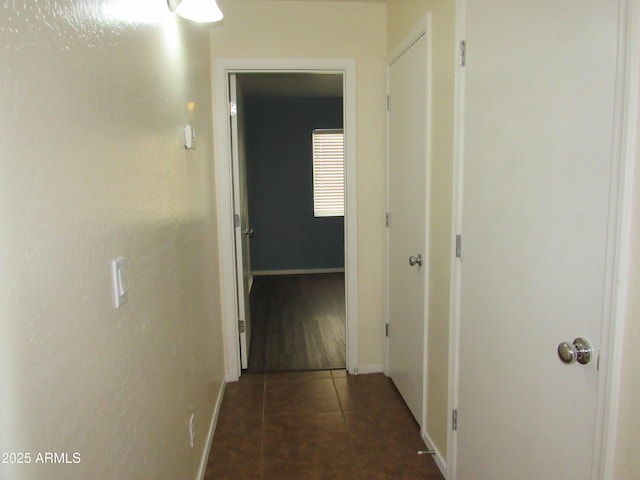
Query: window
[328, 173]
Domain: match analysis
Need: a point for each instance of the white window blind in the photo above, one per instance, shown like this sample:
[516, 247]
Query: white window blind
[328, 173]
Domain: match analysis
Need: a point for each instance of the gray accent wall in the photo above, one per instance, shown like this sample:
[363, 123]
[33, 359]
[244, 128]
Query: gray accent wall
[280, 181]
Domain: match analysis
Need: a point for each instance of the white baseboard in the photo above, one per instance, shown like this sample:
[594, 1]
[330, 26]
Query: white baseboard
[364, 369]
[440, 461]
[301, 271]
[212, 429]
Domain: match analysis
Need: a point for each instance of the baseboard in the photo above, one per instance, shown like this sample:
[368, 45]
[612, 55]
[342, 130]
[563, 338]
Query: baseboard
[301, 271]
[212, 429]
[364, 369]
[440, 461]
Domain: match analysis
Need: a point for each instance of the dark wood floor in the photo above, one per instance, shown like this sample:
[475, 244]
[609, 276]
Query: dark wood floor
[316, 426]
[298, 322]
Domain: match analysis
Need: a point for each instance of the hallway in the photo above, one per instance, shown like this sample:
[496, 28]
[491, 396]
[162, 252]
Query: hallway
[120, 323]
[316, 425]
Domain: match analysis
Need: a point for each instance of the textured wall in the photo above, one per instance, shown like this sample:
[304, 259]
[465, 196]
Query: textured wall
[402, 17]
[91, 95]
[280, 178]
[286, 29]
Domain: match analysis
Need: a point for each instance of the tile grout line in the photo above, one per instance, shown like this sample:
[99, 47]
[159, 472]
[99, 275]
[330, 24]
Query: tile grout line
[346, 424]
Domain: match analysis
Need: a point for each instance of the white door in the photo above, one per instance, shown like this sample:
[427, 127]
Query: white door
[241, 212]
[538, 123]
[408, 169]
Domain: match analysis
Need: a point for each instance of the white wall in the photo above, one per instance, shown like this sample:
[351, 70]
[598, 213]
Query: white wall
[403, 15]
[91, 95]
[286, 29]
[627, 458]
[627, 462]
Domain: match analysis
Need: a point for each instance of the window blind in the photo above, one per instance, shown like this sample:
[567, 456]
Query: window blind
[328, 173]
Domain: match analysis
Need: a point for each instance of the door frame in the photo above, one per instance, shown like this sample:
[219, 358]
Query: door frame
[222, 67]
[242, 241]
[616, 295]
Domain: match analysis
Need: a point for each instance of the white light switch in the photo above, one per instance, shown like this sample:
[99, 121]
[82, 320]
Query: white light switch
[119, 282]
[189, 137]
[192, 430]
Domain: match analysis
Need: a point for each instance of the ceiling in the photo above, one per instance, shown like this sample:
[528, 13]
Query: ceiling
[291, 85]
[350, 1]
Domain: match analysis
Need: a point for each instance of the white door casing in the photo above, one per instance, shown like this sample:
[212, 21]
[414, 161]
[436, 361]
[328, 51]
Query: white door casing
[222, 67]
[408, 169]
[241, 217]
[536, 189]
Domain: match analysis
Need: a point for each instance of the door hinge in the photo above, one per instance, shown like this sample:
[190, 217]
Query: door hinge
[454, 420]
[386, 329]
[241, 326]
[462, 53]
[387, 104]
[236, 220]
[387, 216]
[458, 246]
[233, 109]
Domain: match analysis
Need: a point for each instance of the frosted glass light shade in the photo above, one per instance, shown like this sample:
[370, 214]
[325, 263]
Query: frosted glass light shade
[197, 10]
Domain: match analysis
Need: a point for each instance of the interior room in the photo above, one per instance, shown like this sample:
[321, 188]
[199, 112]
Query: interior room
[490, 248]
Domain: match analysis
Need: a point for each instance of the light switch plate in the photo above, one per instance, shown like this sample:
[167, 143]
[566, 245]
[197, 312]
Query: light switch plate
[192, 430]
[189, 137]
[119, 282]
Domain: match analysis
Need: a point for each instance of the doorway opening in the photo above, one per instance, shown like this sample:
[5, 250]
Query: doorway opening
[302, 280]
[292, 171]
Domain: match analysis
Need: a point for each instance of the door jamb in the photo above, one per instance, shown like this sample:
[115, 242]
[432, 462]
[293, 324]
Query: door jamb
[223, 184]
[456, 228]
[625, 149]
[619, 238]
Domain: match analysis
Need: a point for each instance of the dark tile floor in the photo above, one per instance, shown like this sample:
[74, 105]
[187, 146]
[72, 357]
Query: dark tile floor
[315, 426]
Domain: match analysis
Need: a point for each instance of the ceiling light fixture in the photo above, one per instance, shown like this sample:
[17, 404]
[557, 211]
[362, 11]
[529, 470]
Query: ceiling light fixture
[197, 10]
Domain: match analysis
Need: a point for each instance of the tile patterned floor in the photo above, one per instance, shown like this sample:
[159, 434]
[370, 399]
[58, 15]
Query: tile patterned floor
[316, 426]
